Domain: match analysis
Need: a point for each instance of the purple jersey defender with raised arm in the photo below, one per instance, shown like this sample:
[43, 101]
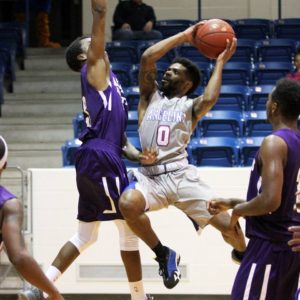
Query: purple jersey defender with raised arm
[101, 173]
[270, 270]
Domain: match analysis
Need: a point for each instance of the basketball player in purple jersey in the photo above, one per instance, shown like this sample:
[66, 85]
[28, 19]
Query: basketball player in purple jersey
[269, 269]
[100, 172]
[11, 238]
[167, 119]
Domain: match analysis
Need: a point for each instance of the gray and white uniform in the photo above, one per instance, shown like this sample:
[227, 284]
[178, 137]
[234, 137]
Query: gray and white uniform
[167, 125]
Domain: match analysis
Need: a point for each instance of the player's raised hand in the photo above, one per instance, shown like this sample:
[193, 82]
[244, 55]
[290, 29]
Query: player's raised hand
[295, 241]
[215, 206]
[190, 32]
[228, 52]
[148, 156]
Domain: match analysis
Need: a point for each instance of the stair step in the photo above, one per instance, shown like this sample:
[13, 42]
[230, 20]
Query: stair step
[42, 97]
[46, 62]
[17, 109]
[46, 51]
[32, 74]
[44, 85]
[31, 123]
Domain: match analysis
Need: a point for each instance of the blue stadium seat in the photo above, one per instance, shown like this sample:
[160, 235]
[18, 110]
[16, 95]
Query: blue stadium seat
[172, 26]
[256, 29]
[232, 97]
[192, 53]
[237, 73]
[222, 123]
[248, 148]
[122, 71]
[8, 50]
[132, 124]
[282, 50]
[205, 68]
[69, 149]
[78, 124]
[143, 45]
[288, 28]
[256, 123]
[270, 72]
[245, 51]
[123, 52]
[132, 95]
[135, 141]
[213, 151]
[258, 97]
[198, 92]
[2, 70]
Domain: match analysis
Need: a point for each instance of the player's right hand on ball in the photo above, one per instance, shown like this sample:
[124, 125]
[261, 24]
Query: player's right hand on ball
[190, 33]
[148, 156]
[228, 52]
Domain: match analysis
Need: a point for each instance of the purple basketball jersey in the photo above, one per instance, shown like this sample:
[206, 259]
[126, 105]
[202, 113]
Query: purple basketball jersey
[100, 172]
[274, 227]
[105, 111]
[5, 195]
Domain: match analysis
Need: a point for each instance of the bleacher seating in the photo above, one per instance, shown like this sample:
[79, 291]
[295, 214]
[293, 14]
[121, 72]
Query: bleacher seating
[270, 72]
[78, 124]
[258, 97]
[222, 123]
[192, 53]
[256, 123]
[213, 151]
[122, 70]
[171, 27]
[69, 149]
[122, 52]
[248, 148]
[232, 97]
[245, 51]
[288, 28]
[205, 68]
[237, 73]
[275, 50]
[132, 95]
[257, 29]
[132, 123]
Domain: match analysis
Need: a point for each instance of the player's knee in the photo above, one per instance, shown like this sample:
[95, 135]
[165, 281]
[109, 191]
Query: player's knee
[81, 241]
[128, 240]
[130, 204]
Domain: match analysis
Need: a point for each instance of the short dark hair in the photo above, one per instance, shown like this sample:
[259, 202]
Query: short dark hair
[72, 52]
[193, 72]
[287, 95]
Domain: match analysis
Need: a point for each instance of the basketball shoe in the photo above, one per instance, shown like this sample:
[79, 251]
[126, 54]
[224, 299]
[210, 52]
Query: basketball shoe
[168, 268]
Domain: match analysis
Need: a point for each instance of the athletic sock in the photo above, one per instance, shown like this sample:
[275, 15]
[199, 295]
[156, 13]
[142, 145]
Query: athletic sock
[160, 250]
[52, 274]
[137, 290]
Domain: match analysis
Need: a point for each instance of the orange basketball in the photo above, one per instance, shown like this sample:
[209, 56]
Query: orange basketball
[210, 38]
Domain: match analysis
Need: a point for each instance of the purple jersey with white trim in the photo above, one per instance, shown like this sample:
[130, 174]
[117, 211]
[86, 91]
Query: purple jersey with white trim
[274, 227]
[105, 111]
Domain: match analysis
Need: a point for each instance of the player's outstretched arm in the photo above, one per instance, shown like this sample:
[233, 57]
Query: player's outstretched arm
[17, 252]
[272, 154]
[211, 94]
[97, 60]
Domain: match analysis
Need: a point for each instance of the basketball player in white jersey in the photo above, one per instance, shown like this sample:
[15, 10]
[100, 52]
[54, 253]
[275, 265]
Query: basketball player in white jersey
[167, 119]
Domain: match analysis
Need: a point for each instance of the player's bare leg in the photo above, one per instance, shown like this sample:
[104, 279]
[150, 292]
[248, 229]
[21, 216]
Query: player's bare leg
[132, 206]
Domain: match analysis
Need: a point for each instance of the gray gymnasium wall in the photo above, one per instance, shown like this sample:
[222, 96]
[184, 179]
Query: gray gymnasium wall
[188, 9]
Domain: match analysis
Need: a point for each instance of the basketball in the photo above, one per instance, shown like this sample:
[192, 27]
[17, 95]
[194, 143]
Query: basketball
[210, 38]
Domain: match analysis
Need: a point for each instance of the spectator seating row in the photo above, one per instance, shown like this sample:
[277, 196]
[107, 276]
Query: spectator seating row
[216, 123]
[210, 151]
[244, 28]
[232, 97]
[248, 50]
[233, 72]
